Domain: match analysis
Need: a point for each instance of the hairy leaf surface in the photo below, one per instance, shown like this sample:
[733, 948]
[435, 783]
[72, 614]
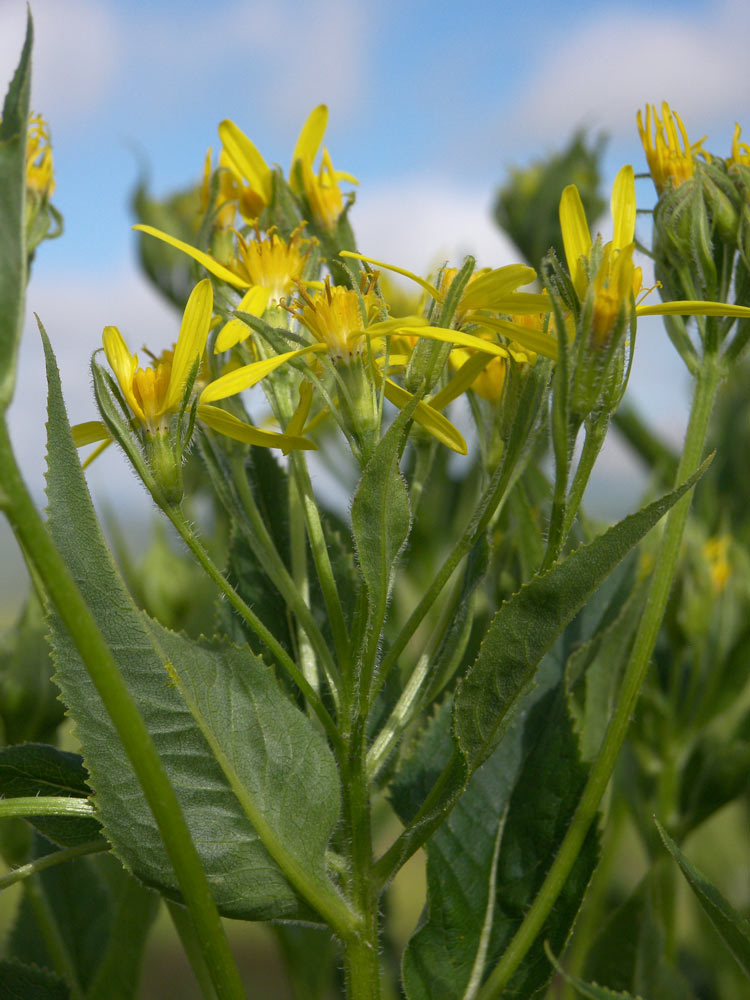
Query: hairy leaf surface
[286, 767]
[529, 622]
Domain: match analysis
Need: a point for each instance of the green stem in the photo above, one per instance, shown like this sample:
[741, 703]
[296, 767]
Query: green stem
[489, 503]
[192, 947]
[277, 572]
[592, 445]
[127, 720]
[322, 561]
[51, 860]
[706, 385]
[45, 805]
[185, 532]
[556, 531]
[433, 811]
[361, 951]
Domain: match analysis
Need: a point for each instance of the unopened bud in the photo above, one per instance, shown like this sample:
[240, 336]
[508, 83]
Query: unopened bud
[166, 466]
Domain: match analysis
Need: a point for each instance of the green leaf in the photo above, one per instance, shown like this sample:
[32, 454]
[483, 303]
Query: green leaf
[381, 515]
[102, 916]
[590, 991]
[601, 661]
[13, 266]
[527, 624]
[36, 769]
[716, 772]
[450, 947]
[270, 752]
[629, 951]
[545, 796]
[27, 982]
[733, 929]
[487, 860]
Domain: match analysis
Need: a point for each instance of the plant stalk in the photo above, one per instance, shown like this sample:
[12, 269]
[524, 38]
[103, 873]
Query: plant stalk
[65, 597]
[706, 386]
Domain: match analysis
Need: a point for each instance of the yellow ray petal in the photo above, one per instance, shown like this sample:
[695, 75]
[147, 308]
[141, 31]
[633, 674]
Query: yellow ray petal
[89, 432]
[191, 341]
[309, 140]
[249, 375]
[623, 207]
[209, 263]
[452, 337]
[461, 381]
[535, 340]
[246, 159]
[690, 307]
[233, 332]
[490, 290]
[123, 364]
[576, 236]
[254, 301]
[431, 419]
[227, 424]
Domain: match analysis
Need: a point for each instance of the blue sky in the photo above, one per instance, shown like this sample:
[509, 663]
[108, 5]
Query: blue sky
[429, 106]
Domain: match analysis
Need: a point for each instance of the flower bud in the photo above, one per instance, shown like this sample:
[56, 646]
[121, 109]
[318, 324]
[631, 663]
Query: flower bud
[166, 466]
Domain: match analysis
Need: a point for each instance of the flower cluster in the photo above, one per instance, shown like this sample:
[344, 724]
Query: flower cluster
[288, 293]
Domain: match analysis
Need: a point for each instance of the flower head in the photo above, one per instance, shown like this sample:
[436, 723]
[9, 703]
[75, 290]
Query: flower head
[321, 189]
[338, 317]
[608, 272]
[39, 171]
[740, 150]
[267, 268]
[155, 393]
[670, 156]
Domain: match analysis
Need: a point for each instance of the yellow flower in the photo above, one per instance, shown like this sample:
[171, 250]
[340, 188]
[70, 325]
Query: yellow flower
[321, 190]
[716, 553]
[255, 177]
[39, 171]
[230, 195]
[608, 273]
[490, 295]
[154, 393]
[670, 156]
[740, 150]
[266, 267]
[338, 318]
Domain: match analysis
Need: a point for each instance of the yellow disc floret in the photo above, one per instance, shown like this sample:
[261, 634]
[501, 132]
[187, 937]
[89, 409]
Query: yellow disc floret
[338, 318]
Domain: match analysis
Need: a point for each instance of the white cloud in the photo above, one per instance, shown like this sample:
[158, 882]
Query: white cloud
[419, 222]
[75, 59]
[600, 76]
[273, 59]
